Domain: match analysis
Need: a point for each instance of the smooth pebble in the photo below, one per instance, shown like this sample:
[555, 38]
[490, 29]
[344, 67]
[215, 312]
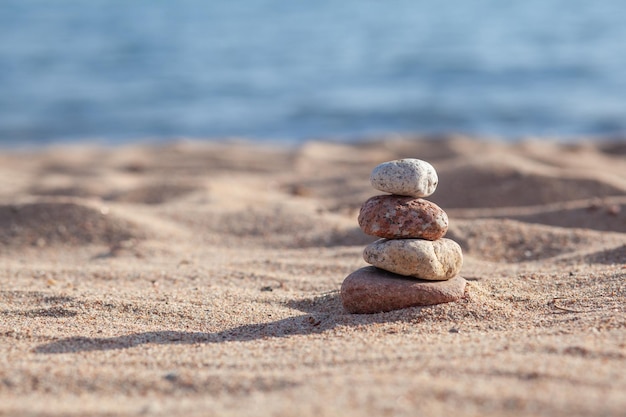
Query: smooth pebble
[371, 290]
[410, 177]
[399, 217]
[430, 260]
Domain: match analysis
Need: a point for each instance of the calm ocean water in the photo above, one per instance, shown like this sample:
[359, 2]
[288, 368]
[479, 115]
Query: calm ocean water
[117, 70]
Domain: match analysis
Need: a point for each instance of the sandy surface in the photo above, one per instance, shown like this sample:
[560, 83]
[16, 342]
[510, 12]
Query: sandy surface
[202, 279]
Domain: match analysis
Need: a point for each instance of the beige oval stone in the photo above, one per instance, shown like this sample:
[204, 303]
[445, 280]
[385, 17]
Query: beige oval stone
[371, 290]
[409, 177]
[400, 217]
[431, 260]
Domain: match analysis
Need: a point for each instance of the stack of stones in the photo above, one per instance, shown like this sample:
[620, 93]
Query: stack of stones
[413, 264]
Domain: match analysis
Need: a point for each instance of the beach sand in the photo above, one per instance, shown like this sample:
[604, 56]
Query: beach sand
[202, 278]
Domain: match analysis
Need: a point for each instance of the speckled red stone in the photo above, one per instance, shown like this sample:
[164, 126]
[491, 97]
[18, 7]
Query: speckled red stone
[371, 290]
[399, 217]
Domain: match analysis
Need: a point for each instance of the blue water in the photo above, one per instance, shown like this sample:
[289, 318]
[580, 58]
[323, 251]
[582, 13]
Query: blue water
[119, 70]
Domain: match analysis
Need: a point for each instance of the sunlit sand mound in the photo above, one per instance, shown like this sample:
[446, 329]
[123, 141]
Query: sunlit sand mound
[192, 158]
[152, 193]
[606, 214]
[68, 223]
[490, 183]
[281, 226]
[614, 256]
[155, 192]
[505, 240]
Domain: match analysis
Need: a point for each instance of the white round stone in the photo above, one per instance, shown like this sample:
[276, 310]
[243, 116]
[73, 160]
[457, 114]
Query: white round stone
[410, 177]
[436, 260]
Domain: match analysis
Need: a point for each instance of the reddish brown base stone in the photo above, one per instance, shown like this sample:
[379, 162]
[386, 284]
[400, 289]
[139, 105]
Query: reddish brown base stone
[373, 290]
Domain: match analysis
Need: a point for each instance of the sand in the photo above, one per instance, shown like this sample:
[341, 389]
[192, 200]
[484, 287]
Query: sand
[199, 279]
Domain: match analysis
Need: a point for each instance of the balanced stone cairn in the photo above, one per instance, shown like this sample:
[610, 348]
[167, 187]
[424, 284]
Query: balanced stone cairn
[413, 264]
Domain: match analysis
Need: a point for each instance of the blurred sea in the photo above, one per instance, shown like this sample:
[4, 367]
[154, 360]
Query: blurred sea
[117, 70]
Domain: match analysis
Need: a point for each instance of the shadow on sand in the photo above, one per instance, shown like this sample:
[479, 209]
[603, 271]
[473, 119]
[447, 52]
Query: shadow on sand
[323, 313]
